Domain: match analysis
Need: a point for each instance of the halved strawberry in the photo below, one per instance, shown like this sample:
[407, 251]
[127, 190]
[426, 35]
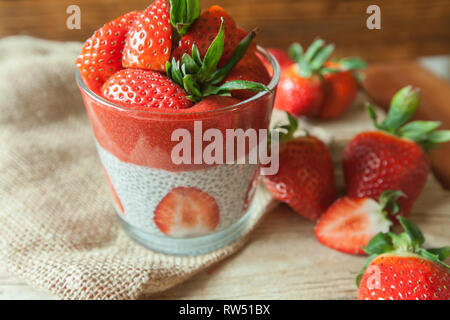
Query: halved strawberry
[149, 41]
[144, 89]
[203, 32]
[187, 212]
[101, 55]
[350, 223]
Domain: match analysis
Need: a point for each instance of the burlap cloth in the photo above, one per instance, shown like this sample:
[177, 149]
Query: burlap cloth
[58, 228]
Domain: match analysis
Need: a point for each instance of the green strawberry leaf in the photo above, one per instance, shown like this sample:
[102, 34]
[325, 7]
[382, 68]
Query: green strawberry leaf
[372, 114]
[402, 243]
[189, 64]
[213, 54]
[304, 69]
[427, 254]
[173, 71]
[388, 201]
[403, 105]
[220, 74]
[313, 49]
[443, 253]
[191, 88]
[440, 136]
[295, 51]
[418, 130]
[183, 14]
[380, 243]
[352, 63]
[415, 235]
[200, 77]
[286, 131]
[321, 56]
[196, 55]
[237, 85]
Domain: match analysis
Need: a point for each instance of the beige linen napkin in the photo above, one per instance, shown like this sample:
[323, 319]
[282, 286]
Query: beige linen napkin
[58, 229]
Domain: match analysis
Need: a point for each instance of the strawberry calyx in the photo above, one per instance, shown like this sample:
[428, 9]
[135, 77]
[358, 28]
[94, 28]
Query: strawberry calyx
[285, 131]
[408, 243]
[388, 202]
[403, 106]
[200, 77]
[312, 61]
[183, 14]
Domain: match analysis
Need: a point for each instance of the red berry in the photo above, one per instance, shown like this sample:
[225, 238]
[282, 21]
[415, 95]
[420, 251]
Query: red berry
[305, 179]
[249, 68]
[375, 161]
[203, 32]
[101, 55]
[187, 212]
[404, 277]
[149, 41]
[282, 57]
[299, 95]
[340, 91]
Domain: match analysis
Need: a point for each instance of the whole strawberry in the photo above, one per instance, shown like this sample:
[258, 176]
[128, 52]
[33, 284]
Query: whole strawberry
[340, 87]
[392, 158]
[305, 179]
[283, 59]
[309, 88]
[350, 223]
[149, 41]
[203, 31]
[400, 269]
[101, 55]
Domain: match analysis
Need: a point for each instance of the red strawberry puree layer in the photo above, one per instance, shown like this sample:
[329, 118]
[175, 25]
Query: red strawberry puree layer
[144, 138]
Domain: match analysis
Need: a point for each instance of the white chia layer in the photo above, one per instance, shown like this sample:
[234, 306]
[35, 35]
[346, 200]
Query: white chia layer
[141, 188]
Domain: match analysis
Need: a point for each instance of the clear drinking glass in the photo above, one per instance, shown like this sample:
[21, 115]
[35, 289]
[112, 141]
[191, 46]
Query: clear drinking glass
[135, 150]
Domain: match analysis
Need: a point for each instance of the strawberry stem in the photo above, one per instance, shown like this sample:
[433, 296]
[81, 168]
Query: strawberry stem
[285, 132]
[388, 201]
[183, 14]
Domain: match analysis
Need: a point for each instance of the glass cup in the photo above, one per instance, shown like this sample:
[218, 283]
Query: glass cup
[186, 208]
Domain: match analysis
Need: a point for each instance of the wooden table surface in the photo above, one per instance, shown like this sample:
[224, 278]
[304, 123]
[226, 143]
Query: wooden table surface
[282, 259]
[409, 28]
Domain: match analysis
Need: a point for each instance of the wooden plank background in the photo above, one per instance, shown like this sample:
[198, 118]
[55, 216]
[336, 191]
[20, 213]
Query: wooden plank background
[410, 28]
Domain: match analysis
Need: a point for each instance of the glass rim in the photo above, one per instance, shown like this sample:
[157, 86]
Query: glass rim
[272, 85]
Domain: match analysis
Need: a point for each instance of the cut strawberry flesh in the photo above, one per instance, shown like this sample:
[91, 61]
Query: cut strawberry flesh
[350, 223]
[187, 212]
